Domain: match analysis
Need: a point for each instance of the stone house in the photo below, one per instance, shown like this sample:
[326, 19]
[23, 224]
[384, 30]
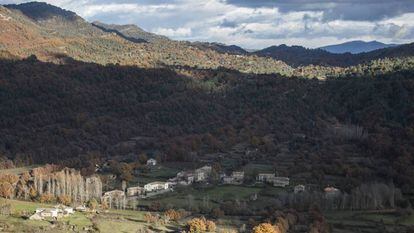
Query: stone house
[280, 181]
[201, 174]
[135, 191]
[185, 178]
[235, 178]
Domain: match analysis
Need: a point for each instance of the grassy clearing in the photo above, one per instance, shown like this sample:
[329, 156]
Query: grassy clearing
[21, 206]
[158, 173]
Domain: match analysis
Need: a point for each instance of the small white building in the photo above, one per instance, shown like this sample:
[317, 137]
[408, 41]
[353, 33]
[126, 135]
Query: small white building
[265, 177]
[156, 186]
[299, 188]
[151, 162]
[280, 181]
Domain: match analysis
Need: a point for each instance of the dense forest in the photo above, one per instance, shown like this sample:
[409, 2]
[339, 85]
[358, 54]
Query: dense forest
[66, 113]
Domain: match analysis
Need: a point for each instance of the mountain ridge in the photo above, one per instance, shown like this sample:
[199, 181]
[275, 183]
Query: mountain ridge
[356, 47]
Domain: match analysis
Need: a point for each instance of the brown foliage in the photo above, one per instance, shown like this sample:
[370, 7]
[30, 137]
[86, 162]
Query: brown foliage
[265, 228]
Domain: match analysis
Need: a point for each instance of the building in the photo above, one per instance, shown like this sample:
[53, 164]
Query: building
[265, 177]
[151, 162]
[235, 178]
[228, 180]
[331, 191]
[238, 176]
[185, 178]
[156, 186]
[299, 188]
[280, 181]
[201, 174]
[135, 191]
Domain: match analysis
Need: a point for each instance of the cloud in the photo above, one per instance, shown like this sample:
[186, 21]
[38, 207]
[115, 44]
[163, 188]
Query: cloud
[259, 23]
[171, 32]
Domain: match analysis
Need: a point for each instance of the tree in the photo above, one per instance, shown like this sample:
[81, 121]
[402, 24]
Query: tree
[196, 225]
[93, 204]
[211, 226]
[173, 214]
[6, 190]
[65, 199]
[142, 158]
[46, 198]
[264, 228]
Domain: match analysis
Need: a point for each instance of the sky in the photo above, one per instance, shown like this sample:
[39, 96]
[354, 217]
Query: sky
[256, 24]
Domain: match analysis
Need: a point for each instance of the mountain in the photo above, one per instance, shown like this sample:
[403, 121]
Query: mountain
[131, 32]
[356, 47]
[300, 56]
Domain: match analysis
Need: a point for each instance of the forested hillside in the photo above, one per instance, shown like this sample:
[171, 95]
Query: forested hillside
[61, 113]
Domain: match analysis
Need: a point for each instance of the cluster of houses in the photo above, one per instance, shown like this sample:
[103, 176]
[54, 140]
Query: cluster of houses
[194, 176]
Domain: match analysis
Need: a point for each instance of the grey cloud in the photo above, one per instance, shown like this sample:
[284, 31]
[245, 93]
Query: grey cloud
[360, 10]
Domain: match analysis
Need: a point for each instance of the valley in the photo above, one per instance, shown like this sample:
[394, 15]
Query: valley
[109, 128]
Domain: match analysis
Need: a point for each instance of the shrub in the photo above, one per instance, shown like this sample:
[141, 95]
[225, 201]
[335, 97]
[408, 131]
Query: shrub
[264, 228]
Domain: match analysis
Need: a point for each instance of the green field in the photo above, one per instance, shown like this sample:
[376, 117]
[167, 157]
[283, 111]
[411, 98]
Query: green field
[368, 221]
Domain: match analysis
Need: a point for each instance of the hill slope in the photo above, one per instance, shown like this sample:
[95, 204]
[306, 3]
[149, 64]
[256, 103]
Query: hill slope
[49, 39]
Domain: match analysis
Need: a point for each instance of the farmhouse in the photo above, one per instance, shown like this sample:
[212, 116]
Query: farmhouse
[299, 188]
[280, 181]
[156, 186]
[235, 178]
[135, 191]
[151, 162]
[184, 178]
[265, 177]
[201, 174]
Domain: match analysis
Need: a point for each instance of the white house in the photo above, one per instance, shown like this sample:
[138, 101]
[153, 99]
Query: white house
[265, 177]
[156, 186]
[280, 181]
[151, 162]
[299, 188]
